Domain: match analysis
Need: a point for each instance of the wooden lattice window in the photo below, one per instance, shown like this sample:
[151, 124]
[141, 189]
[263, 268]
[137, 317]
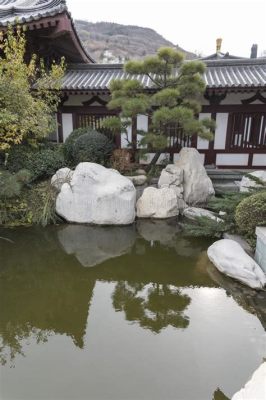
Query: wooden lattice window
[247, 131]
[93, 121]
[176, 137]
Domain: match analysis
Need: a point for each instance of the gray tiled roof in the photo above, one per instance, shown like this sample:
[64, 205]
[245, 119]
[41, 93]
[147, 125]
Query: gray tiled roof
[29, 10]
[240, 73]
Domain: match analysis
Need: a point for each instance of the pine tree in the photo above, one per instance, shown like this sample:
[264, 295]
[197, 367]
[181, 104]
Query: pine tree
[173, 100]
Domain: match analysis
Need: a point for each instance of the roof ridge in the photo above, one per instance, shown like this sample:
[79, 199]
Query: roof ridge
[236, 62]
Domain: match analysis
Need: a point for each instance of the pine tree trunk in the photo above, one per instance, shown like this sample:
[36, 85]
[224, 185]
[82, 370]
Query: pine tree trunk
[155, 159]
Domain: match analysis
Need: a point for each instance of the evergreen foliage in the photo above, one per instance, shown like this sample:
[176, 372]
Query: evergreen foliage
[11, 184]
[41, 162]
[250, 213]
[172, 102]
[206, 227]
[92, 147]
[69, 143]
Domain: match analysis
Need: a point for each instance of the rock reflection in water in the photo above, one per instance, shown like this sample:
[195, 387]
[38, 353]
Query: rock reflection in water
[93, 245]
[250, 300]
[168, 233]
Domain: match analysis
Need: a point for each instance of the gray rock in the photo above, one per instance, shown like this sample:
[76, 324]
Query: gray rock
[194, 212]
[138, 180]
[198, 187]
[247, 183]
[157, 203]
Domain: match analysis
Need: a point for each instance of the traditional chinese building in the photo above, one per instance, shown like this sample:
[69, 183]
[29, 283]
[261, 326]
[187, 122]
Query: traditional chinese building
[235, 89]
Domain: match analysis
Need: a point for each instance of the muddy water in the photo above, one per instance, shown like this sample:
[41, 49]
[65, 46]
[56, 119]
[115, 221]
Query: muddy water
[126, 313]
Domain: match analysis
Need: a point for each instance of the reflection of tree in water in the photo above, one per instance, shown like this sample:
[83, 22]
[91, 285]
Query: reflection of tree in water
[219, 395]
[43, 292]
[11, 341]
[154, 307]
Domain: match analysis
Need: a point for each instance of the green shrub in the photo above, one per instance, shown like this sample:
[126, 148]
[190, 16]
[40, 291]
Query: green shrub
[11, 184]
[92, 147]
[205, 227]
[69, 143]
[45, 163]
[19, 157]
[250, 213]
[41, 163]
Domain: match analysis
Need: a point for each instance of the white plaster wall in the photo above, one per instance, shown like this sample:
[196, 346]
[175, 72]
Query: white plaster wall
[203, 144]
[67, 125]
[142, 124]
[124, 137]
[220, 132]
[236, 98]
[259, 160]
[78, 99]
[232, 159]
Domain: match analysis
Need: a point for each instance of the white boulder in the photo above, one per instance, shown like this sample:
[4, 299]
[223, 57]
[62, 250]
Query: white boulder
[255, 388]
[97, 195]
[230, 259]
[247, 183]
[63, 175]
[172, 177]
[138, 180]
[194, 212]
[157, 203]
[197, 185]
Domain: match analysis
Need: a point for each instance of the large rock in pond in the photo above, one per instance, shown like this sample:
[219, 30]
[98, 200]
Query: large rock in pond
[230, 259]
[198, 187]
[97, 195]
[255, 388]
[248, 183]
[157, 203]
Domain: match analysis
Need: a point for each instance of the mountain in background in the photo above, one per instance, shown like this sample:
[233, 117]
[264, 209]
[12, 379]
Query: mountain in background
[108, 42]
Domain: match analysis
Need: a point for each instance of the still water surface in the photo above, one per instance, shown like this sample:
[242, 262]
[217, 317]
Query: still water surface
[126, 313]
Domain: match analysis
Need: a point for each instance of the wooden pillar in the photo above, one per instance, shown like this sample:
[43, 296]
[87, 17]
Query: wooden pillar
[60, 127]
[134, 137]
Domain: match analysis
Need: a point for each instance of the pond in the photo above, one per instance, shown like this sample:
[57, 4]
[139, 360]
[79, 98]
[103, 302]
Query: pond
[123, 313]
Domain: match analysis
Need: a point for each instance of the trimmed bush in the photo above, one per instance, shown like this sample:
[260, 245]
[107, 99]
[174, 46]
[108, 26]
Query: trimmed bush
[92, 147]
[41, 163]
[70, 141]
[250, 213]
[45, 163]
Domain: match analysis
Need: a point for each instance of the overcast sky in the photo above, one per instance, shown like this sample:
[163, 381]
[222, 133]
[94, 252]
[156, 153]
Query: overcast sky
[192, 24]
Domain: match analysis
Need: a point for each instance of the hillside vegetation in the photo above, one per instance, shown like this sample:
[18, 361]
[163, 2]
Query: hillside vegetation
[114, 43]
